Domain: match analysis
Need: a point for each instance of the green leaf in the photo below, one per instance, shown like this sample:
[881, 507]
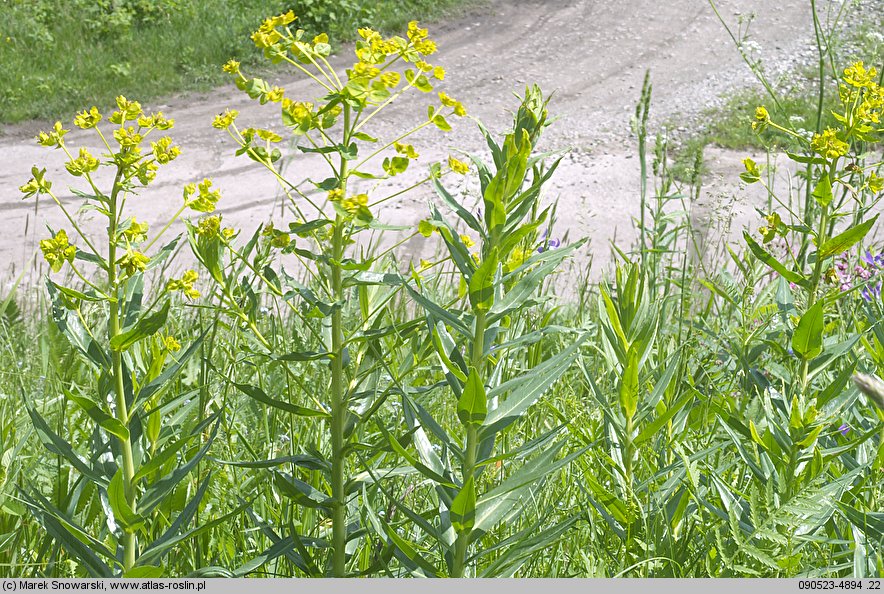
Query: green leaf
[146, 326]
[482, 283]
[441, 123]
[822, 193]
[772, 262]
[651, 429]
[526, 389]
[463, 508]
[472, 407]
[869, 523]
[629, 382]
[807, 340]
[123, 513]
[262, 397]
[95, 412]
[844, 241]
[301, 492]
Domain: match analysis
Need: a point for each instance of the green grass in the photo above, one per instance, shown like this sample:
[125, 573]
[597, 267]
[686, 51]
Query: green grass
[59, 57]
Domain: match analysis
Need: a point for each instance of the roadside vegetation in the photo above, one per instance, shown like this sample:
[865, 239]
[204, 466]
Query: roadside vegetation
[304, 402]
[59, 56]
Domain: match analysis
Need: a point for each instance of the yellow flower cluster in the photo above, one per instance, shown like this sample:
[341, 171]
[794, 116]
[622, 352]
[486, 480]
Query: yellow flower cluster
[38, 184]
[54, 137]
[87, 119]
[205, 199]
[83, 164]
[136, 232]
[184, 285]
[828, 144]
[224, 120]
[133, 262]
[448, 101]
[164, 151]
[267, 35]
[458, 166]
[354, 203]
[57, 250]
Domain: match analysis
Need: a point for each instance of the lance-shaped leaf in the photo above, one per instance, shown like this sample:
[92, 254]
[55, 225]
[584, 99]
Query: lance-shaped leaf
[846, 240]
[463, 508]
[526, 389]
[482, 283]
[123, 512]
[472, 407]
[807, 340]
[773, 263]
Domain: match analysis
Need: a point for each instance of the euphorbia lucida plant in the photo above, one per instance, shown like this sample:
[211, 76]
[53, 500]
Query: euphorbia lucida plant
[790, 434]
[355, 341]
[488, 376]
[115, 322]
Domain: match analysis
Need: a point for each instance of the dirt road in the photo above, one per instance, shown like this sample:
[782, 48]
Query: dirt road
[591, 53]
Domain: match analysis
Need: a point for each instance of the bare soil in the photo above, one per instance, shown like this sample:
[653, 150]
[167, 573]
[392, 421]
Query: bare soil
[591, 54]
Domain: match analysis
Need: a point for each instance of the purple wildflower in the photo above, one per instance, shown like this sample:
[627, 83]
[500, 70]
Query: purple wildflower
[548, 244]
[871, 292]
[844, 429]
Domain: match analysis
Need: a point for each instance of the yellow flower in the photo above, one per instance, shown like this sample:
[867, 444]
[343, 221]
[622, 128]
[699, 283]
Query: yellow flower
[160, 122]
[406, 149]
[423, 66]
[361, 69]
[415, 33]
[146, 172]
[87, 119]
[136, 232]
[54, 137]
[875, 183]
[439, 73]
[856, 75]
[335, 195]
[128, 111]
[449, 101]
[390, 79]
[171, 344]
[38, 184]
[467, 241]
[275, 94]
[224, 120]
[164, 151]
[184, 285]
[829, 145]
[354, 203]
[321, 38]
[368, 34]
[209, 227]
[426, 47]
[762, 119]
[133, 262]
[458, 166]
[206, 197]
[127, 137]
[57, 251]
[85, 163]
[231, 67]
[517, 258]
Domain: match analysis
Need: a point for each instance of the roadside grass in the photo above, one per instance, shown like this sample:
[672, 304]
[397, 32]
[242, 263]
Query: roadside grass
[58, 57]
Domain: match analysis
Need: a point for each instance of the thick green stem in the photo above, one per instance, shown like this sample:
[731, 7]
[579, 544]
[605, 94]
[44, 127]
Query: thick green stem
[472, 446]
[338, 400]
[122, 413]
